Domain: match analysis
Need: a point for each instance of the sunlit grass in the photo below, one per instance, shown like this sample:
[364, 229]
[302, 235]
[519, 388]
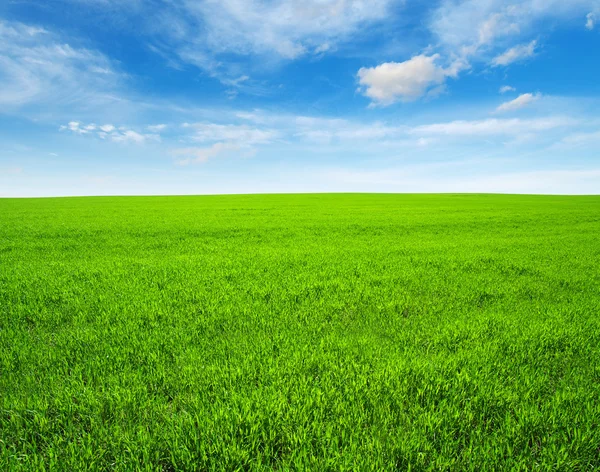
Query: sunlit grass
[314, 332]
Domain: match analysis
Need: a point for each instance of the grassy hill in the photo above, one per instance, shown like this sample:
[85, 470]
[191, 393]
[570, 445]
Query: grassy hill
[300, 332]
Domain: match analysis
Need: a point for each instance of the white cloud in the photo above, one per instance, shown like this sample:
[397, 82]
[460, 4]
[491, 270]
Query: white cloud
[478, 28]
[156, 128]
[332, 133]
[235, 82]
[323, 48]
[321, 130]
[225, 138]
[74, 126]
[133, 137]
[273, 129]
[590, 21]
[248, 131]
[521, 101]
[121, 135]
[582, 138]
[406, 81]
[288, 28]
[493, 127]
[507, 88]
[466, 26]
[211, 132]
[255, 116]
[39, 67]
[225, 38]
[195, 155]
[514, 54]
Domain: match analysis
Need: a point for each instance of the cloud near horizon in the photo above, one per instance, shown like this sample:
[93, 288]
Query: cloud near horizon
[196, 155]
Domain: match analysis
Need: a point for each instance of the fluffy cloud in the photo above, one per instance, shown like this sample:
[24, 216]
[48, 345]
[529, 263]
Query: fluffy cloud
[74, 127]
[590, 21]
[107, 128]
[507, 88]
[406, 81]
[108, 131]
[519, 102]
[514, 54]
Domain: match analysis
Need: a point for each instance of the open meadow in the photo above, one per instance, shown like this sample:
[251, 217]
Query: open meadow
[334, 332]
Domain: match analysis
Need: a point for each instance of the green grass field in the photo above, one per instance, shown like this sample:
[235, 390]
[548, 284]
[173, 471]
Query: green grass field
[300, 332]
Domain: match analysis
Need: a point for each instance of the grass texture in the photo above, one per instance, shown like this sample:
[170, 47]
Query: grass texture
[300, 332]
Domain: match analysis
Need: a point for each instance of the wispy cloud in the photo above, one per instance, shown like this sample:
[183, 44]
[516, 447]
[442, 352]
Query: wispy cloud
[156, 128]
[39, 67]
[224, 140]
[196, 155]
[474, 27]
[226, 38]
[515, 54]
[582, 138]
[494, 126]
[269, 129]
[110, 132]
[507, 88]
[211, 132]
[133, 137]
[521, 101]
[285, 27]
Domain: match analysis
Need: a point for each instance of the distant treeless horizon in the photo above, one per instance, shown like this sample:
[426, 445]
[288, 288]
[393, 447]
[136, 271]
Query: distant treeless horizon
[300, 332]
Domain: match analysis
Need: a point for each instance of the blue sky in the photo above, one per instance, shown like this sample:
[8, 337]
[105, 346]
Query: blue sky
[118, 97]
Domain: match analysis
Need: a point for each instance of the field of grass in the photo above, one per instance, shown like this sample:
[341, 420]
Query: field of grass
[300, 332]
